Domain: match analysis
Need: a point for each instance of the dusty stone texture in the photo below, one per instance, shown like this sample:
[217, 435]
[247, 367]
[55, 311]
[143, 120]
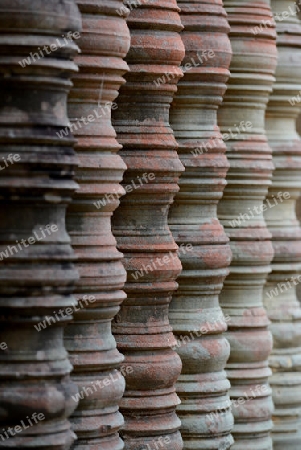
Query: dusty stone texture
[36, 274]
[280, 293]
[104, 42]
[298, 204]
[195, 314]
[241, 118]
[142, 328]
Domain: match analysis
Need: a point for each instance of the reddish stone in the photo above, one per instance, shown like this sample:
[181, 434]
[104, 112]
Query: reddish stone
[280, 292]
[142, 328]
[104, 42]
[252, 69]
[195, 314]
[36, 274]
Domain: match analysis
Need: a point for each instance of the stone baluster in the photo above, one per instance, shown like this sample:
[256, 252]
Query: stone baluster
[142, 328]
[241, 119]
[38, 44]
[298, 203]
[104, 42]
[280, 292]
[195, 314]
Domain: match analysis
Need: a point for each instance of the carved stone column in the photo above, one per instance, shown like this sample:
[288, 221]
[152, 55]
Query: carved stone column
[298, 203]
[36, 179]
[241, 119]
[104, 42]
[280, 293]
[196, 316]
[142, 328]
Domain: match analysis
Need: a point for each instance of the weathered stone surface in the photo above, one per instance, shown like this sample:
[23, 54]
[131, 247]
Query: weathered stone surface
[298, 203]
[36, 271]
[280, 292]
[241, 118]
[142, 328]
[195, 314]
[104, 42]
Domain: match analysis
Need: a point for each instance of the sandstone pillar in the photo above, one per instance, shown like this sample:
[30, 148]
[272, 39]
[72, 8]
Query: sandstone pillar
[142, 328]
[280, 292]
[195, 314]
[298, 203]
[36, 271]
[241, 119]
[104, 42]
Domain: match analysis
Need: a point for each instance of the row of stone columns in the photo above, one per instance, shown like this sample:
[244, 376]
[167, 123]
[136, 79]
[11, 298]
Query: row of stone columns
[189, 231]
